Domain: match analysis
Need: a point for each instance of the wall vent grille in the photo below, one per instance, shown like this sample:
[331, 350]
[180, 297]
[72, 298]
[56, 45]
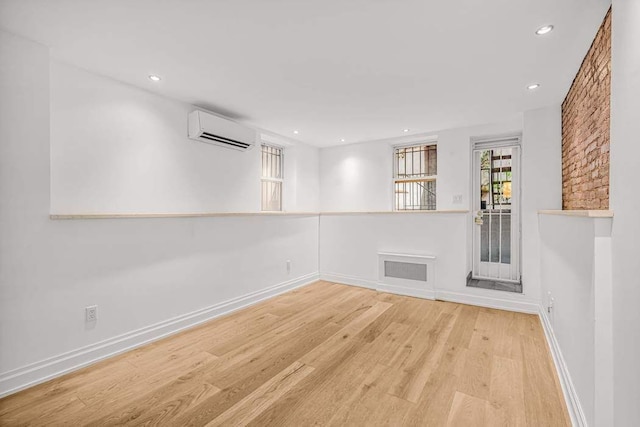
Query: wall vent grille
[405, 270]
[407, 274]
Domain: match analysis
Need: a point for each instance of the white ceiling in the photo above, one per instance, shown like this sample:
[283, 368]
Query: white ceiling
[332, 69]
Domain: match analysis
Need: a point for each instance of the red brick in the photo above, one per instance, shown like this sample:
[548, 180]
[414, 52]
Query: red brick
[585, 128]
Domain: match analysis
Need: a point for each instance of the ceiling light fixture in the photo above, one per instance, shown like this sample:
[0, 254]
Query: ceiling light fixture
[295, 132]
[341, 139]
[154, 78]
[405, 130]
[533, 86]
[544, 30]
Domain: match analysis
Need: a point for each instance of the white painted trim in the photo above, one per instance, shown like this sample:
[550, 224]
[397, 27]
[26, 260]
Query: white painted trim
[520, 304]
[65, 216]
[579, 213]
[44, 370]
[570, 395]
[377, 286]
[408, 287]
[494, 270]
[406, 291]
[525, 305]
[496, 141]
[392, 254]
[408, 212]
[175, 215]
[412, 140]
[349, 280]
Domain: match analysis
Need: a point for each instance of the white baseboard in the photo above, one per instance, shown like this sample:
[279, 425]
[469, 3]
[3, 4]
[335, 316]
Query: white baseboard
[44, 370]
[377, 286]
[410, 292]
[519, 303]
[570, 395]
[349, 280]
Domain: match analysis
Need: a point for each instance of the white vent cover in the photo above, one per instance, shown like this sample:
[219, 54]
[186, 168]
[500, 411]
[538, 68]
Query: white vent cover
[405, 270]
[407, 274]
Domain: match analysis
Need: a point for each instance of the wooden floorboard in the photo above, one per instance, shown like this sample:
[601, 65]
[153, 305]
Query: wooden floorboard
[324, 354]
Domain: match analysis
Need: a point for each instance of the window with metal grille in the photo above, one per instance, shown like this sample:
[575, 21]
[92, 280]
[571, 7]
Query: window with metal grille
[272, 178]
[415, 170]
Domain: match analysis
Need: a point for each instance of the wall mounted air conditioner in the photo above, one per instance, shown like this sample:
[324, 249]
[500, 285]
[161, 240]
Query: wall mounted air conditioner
[206, 127]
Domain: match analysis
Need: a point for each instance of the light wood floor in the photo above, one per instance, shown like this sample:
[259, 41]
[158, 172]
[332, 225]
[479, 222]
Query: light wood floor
[325, 354]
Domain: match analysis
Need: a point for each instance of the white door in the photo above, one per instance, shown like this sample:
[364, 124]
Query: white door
[496, 216]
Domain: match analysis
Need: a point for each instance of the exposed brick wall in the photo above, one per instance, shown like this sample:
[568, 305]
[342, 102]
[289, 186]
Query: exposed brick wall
[585, 128]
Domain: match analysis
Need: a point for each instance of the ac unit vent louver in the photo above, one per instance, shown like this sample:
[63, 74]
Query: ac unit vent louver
[224, 140]
[206, 127]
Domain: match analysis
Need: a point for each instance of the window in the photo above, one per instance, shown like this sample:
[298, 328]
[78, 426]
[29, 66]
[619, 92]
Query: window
[271, 178]
[415, 170]
[495, 178]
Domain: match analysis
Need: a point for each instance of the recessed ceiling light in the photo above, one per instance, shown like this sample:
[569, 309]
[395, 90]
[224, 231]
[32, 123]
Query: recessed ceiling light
[154, 78]
[533, 86]
[295, 132]
[341, 139]
[405, 130]
[544, 30]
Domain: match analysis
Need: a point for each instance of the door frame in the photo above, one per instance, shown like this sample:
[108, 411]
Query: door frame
[487, 143]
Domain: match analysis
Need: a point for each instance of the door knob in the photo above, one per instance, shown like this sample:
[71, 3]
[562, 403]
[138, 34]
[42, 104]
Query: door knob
[478, 218]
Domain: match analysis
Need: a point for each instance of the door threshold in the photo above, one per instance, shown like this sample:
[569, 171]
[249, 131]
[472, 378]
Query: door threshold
[495, 285]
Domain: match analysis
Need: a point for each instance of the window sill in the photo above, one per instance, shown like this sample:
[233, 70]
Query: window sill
[174, 215]
[579, 213]
[444, 211]
[237, 214]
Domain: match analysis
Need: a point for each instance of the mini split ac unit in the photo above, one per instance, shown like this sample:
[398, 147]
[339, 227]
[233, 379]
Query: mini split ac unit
[206, 127]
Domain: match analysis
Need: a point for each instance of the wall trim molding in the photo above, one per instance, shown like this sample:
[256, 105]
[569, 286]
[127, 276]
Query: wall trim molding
[570, 395]
[377, 286]
[47, 369]
[147, 215]
[521, 305]
[525, 306]
[107, 215]
[579, 213]
[406, 291]
[349, 280]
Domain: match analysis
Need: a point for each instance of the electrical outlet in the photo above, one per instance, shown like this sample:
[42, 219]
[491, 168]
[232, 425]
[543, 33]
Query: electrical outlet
[288, 266]
[91, 313]
[457, 199]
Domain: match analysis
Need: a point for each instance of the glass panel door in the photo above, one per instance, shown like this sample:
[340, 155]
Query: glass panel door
[496, 214]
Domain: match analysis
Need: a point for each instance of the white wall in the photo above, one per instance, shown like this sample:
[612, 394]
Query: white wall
[359, 177]
[567, 266]
[541, 185]
[24, 193]
[356, 177]
[349, 244]
[138, 271]
[302, 180]
[625, 202]
[117, 148]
